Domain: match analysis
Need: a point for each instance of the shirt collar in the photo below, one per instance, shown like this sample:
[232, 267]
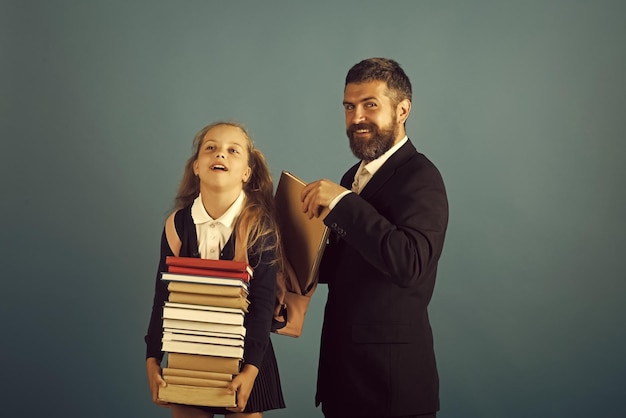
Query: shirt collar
[200, 215]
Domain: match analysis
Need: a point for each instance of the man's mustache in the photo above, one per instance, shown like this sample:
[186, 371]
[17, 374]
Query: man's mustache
[356, 126]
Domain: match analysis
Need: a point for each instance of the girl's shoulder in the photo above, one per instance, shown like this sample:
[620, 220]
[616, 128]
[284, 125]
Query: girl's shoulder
[180, 230]
[173, 239]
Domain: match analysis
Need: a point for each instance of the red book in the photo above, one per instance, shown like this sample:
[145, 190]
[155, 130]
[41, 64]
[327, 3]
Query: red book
[203, 263]
[245, 276]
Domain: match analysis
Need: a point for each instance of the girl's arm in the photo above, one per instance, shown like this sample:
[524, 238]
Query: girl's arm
[258, 322]
[154, 355]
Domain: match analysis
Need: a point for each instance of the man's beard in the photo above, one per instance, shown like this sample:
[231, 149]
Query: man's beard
[370, 149]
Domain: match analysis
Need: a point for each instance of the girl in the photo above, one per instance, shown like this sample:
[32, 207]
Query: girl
[225, 210]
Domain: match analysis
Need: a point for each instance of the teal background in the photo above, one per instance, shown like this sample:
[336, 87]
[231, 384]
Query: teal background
[521, 104]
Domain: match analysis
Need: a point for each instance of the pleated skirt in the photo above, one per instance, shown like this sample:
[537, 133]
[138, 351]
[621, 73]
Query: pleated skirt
[266, 393]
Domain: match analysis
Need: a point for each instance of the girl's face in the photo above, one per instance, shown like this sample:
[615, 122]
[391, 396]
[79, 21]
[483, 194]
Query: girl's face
[222, 162]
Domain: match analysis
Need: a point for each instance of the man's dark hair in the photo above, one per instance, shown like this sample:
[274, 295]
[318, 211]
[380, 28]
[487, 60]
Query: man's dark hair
[382, 69]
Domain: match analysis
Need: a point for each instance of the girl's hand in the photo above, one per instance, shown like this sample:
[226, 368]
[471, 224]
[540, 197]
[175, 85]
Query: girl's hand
[242, 384]
[153, 367]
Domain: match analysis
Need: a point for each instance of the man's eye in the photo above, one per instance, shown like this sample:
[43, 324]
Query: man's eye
[370, 105]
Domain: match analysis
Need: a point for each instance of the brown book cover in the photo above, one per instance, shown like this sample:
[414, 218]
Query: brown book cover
[303, 239]
[195, 381]
[203, 363]
[207, 289]
[199, 396]
[212, 300]
[198, 374]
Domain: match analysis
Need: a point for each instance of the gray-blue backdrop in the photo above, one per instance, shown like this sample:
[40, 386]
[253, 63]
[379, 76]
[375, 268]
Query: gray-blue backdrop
[521, 104]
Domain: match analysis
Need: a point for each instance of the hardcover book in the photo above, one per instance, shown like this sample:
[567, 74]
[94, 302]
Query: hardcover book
[195, 278]
[201, 313]
[204, 263]
[194, 395]
[198, 362]
[303, 239]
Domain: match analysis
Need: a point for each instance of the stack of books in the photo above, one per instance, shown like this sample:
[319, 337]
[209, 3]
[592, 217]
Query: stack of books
[203, 331]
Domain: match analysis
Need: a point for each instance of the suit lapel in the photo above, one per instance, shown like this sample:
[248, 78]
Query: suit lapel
[348, 178]
[387, 170]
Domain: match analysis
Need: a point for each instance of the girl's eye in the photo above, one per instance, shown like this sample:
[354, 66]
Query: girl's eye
[234, 150]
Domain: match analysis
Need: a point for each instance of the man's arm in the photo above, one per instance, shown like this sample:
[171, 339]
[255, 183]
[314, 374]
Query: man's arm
[404, 242]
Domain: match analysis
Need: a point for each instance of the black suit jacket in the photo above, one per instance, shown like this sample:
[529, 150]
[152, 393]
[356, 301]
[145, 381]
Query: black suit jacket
[376, 355]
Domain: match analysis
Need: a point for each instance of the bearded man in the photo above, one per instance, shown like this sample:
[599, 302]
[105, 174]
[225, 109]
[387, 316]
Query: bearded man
[388, 220]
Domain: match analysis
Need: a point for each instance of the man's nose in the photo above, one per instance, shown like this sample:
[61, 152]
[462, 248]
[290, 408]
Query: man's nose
[358, 116]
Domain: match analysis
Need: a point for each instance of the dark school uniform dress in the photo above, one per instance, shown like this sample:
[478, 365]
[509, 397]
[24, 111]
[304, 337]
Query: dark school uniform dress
[258, 351]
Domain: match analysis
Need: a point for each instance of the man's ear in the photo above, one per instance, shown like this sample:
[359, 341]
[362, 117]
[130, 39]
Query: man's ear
[403, 110]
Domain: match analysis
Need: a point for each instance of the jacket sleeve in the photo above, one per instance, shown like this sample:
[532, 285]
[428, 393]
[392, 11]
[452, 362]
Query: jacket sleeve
[401, 231]
[155, 326]
[262, 298]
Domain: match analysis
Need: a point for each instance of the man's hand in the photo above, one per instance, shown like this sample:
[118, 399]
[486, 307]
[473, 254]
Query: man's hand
[318, 195]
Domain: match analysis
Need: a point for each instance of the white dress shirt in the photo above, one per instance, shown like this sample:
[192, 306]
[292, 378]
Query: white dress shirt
[214, 233]
[366, 172]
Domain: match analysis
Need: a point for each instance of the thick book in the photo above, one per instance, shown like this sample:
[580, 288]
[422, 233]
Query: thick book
[198, 374]
[233, 340]
[207, 289]
[201, 313]
[242, 275]
[199, 396]
[211, 300]
[173, 346]
[303, 239]
[194, 278]
[197, 326]
[194, 381]
[204, 263]
[198, 362]
[237, 336]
